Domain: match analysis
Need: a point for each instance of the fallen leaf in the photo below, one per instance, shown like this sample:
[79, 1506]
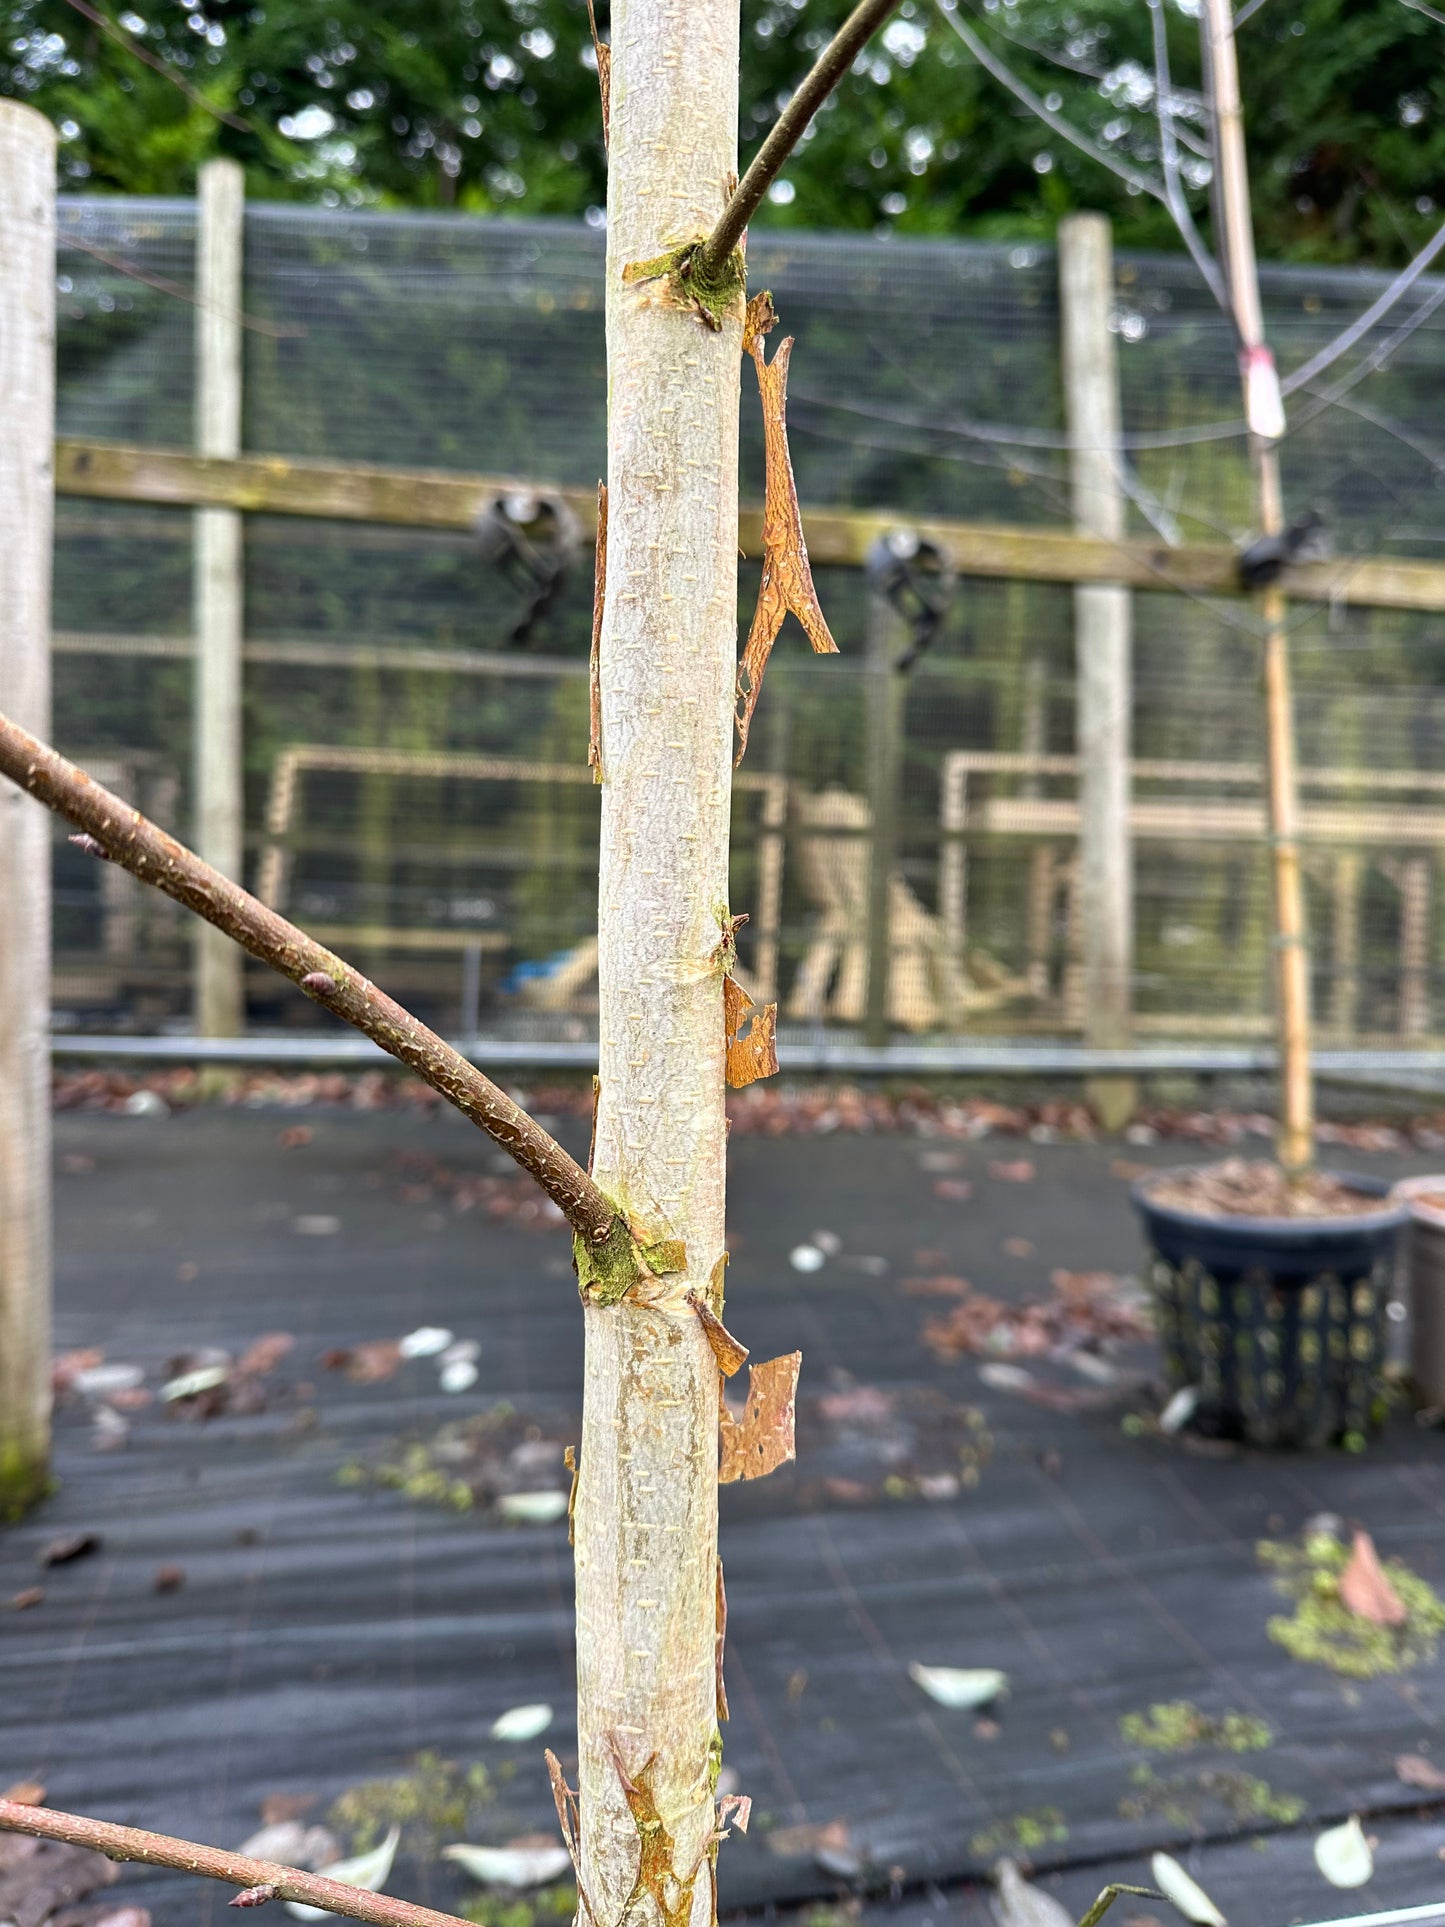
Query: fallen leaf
[458, 1375]
[1184, 1892]
[25, 1793]
[27, 1597]
[206, 1378]
[122, 1917]
[518, 1866]
[426, 1341]
[168, 1579]
[755, 1055]
[1131, 1173]
[955, 1190]
[1012, 1170]
[294, 1136]
[762, 1439]
[277, 1807]
[959, 1687]
[1343, 1855]
[319, 1224]
[1018, 1247]
[831, 1846]
[806, 1258]
[264, 1355]
[1415, 1770]
[103, 1381]
[935, 1287]
[533, 1509]
[46, 1878]
[521, 1723]
[74, 1545]
[1017, 1903]
[292, 1845]
[66, 1366]
[858, 1405]
[787, 575]
[1366, 1591]
[726, 1349]
[365, 1364]
[369, 1871]
[1180, 1409]
[599, 570]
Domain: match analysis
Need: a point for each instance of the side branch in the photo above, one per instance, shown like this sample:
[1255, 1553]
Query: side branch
[115, 831]
[790, 126]
[237, 1870]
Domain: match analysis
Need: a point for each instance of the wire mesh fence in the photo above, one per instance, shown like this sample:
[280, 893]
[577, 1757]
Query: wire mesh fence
[415, 779]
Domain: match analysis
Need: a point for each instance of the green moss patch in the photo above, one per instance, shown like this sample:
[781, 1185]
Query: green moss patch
[1185, 1800]
[436, 1802]
[523, 1910]
[1021, 1833]
[1178, 1726]
[1322, 1631]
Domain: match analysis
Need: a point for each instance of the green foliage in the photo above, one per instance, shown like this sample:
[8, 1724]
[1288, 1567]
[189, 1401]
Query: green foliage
[1183, 1799]
[1177, 1726]
[530, 1910]
[1322, 1631]
[1021, 1833]
[491, 105]
[436, 1802]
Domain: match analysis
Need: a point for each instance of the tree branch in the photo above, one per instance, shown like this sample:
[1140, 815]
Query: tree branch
[112, 829]
[790, 126]
[212, 1863]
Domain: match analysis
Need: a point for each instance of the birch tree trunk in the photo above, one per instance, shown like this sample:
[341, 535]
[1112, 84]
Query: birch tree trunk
[646, 1515]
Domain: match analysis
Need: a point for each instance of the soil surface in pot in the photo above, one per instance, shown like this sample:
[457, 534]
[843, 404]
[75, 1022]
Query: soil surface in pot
[1255, 1188]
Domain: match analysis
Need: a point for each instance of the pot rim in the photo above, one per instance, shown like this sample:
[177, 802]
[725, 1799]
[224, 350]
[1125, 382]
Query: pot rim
[1395, 1210]
[1409, 1190]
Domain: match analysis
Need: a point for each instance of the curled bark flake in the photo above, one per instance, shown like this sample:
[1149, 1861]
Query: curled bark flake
[787, 574]
[737, 1807]
[1365, 1588]
[657, 1877]
[592, 1138]
[720, 1641]
[715, 1284]
[565, 1801]
[762, 1439]
[594, 673]
[753, 1056]
[604, 75]
[569, 1459]
[725, 1348]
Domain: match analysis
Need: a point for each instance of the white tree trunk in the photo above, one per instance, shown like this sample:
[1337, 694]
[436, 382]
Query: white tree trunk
[646, 1520]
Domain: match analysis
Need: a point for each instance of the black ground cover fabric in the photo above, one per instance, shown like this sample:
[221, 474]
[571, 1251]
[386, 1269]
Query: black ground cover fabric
[327, 1633]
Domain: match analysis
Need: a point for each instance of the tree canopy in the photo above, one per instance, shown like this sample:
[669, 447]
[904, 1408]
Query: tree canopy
[491, 106]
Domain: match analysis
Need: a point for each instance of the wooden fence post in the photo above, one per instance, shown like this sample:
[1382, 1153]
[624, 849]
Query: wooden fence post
[27, 433]
[219, 984]
[1102, 645]
[887, 693]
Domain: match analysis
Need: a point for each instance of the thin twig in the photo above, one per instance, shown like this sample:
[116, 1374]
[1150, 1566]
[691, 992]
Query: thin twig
[163, 68]
[213, 1863]
[790, 126]
[112, 829]
[274, 330]
[1362, 324]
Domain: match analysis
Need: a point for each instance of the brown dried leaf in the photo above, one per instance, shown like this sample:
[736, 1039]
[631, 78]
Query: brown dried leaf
[27, 1597]
[262, 1358]
[365, 1364]
[726, 1349]
[599, 597]
[44, 1882]
[756, 1055]
[74, 1545]
[762, 1439]
[25, 1793]
[1366, 1591]
[277, 1807]
[787, 575]
[719, 1642]
[604, 75]
[1415, 1770]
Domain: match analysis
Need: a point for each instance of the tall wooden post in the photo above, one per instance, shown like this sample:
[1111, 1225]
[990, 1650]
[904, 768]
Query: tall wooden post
[27, 436]
[886, 694]
[1265, 417]
[1102, 650]
[219, 1005]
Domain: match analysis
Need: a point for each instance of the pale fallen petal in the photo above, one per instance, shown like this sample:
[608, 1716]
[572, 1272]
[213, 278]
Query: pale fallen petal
[293, 1844]
[99, 1381]
[520, 1723]
[1016, 1903]
[1180, 1409]
[959, 1686]
[510, 1866]
[1186, 1893]
[369, 1871]
[806, 1258]
[425, 1342]
[191, 1384]
[1343, 1855]
[457, 1375]
[533, 1508]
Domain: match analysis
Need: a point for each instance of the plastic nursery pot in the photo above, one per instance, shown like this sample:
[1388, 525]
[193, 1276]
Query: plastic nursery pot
[1278, 1322]
[1425, 1263]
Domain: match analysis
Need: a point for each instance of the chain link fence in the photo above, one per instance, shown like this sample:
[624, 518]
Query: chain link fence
[416, 783]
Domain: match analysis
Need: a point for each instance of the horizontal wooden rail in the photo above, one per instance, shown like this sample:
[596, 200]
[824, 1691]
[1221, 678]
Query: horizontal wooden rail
[435, 499]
